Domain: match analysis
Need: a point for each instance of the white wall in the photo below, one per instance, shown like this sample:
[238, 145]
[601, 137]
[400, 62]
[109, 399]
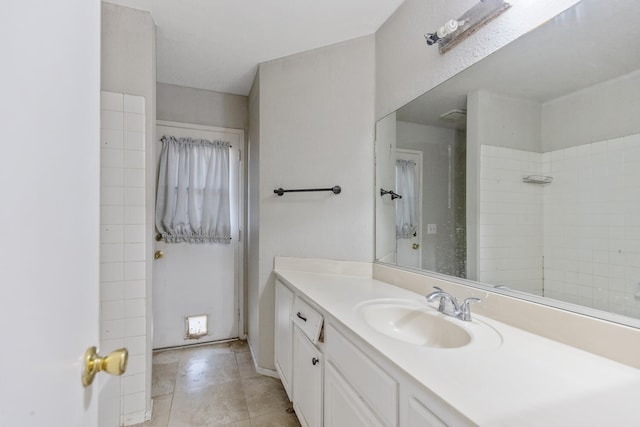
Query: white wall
[201, 107]
[406, 67]
[128, 66]
[509, 122]
[315, 130]
[604, 111]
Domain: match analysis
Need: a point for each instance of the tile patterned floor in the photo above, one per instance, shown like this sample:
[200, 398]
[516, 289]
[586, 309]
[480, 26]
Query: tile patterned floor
[215, 385]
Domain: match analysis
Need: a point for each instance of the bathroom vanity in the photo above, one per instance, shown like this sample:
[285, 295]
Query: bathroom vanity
[355, 351]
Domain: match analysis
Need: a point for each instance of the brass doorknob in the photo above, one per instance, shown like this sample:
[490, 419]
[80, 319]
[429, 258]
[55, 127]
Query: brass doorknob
[415, 246]
[158, 254]
[115, 363]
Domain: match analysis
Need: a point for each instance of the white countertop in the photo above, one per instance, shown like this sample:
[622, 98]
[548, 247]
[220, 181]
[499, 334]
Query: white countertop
[521, 380]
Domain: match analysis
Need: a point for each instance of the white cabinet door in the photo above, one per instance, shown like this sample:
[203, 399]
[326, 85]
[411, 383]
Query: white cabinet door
[420, 416]
[284, 336]
[307, 380]
[372, 383]
[342, 405]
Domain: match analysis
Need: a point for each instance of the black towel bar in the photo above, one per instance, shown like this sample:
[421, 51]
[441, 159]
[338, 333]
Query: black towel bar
[336, 190]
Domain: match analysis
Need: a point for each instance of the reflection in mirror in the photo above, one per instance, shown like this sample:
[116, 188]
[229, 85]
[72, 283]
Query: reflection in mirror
[526, 166]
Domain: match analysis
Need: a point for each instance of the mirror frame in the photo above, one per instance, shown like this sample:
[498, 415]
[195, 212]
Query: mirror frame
[545, 301]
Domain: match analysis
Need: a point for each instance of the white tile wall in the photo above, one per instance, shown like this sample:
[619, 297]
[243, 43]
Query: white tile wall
[585, 225]
[591, 220]
[510, 223]
[123, 257]
[133, 104]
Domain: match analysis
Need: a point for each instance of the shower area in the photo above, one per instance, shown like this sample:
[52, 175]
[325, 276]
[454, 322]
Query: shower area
[556, 211]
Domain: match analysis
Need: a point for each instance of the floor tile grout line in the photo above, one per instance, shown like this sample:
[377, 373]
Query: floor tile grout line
[243, 380]
[170, 411]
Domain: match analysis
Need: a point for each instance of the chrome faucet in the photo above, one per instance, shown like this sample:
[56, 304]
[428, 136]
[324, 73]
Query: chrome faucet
[450, 309]
[449, 304]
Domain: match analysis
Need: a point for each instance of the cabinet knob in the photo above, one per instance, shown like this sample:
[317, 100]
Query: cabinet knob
[315, 361]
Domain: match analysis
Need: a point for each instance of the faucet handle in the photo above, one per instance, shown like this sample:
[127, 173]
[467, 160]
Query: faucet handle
[435, 294]
[465, 311]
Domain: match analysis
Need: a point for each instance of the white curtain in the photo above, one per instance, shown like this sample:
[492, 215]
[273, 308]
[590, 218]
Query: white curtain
[407, 206]
[192, 203]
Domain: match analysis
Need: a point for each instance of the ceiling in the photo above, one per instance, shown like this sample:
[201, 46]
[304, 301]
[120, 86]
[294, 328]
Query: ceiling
[217, 45]
[590, 43]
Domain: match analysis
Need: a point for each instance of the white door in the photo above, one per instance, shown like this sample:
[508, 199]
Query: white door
[284, 336]
[200, 279]
[420, 416]
[307, 380]
[409, 251]
[342, 405]
[50, 174]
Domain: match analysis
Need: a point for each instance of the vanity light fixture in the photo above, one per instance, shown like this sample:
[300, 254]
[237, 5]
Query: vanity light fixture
[455, 31]
[449, 27]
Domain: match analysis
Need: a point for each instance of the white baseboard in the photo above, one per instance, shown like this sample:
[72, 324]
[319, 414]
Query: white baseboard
[267, 372]
[135, 418]
[262, 371]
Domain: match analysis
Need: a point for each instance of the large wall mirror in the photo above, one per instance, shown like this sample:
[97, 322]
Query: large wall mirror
[523, 171]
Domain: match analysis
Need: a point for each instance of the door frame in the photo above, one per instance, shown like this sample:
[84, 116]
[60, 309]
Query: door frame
[419, 161]
[240, 248]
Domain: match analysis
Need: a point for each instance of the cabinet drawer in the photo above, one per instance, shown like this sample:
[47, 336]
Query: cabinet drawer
[308, 320]
[374, 385]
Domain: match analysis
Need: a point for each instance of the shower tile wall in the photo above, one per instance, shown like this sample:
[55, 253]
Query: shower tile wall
[592, 225]
[510, 223]
[122, 251]
[586, 223]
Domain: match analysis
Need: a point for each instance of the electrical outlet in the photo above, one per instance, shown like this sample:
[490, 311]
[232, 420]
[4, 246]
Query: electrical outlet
[432, 229]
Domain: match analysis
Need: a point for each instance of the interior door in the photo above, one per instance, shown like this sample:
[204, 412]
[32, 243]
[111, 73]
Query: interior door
[50, 212]
[409, 251]
[49, 309]
[200, 279]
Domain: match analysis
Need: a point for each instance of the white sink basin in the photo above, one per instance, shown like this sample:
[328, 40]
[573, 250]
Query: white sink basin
[416, 322]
